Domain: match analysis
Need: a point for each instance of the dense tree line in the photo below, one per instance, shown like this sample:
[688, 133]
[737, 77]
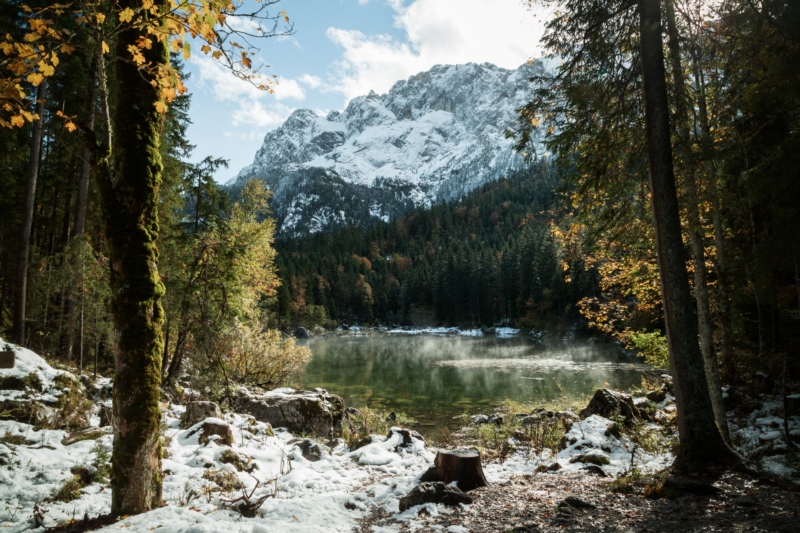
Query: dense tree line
[488, 258]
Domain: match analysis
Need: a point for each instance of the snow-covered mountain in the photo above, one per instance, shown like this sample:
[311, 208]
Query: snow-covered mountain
[432, 137]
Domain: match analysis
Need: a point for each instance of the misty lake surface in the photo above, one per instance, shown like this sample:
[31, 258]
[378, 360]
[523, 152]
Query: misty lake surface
[434, 378]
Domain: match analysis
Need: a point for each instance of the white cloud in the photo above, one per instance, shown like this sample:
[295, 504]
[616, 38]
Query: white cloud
[503, 32]
[310, 81]
[287, 88]
[259, 117]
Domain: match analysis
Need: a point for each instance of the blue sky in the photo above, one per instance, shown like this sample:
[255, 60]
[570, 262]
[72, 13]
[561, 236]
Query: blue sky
[345, 48]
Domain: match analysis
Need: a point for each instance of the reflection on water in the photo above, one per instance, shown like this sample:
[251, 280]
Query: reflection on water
[435, 378]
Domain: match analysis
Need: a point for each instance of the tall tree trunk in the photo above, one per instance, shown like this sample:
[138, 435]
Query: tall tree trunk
[129, 203]
[720, 266]
[701, 443]
[20, 289]
[83, 198]
[704, 325]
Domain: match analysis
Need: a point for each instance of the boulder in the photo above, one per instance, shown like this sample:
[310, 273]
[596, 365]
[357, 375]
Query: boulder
[609, 404]
[315, 412]
[302, 333]
[658, 395]
[43, 397]
[198, 411]
[591, 457]
[215, 426]
[434, 492]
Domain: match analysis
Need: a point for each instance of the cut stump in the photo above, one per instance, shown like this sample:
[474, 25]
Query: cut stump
[461, 466]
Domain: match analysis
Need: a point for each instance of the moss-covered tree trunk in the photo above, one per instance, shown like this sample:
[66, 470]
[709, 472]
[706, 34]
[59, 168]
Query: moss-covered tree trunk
[129, 203]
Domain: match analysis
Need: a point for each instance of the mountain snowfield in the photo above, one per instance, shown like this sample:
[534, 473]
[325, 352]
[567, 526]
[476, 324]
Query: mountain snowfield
[432, 137]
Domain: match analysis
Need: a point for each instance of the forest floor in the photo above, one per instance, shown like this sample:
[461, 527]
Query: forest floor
[606, 479]
[584, 502]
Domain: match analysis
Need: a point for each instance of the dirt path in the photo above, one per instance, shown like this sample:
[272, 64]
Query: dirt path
[537, 503]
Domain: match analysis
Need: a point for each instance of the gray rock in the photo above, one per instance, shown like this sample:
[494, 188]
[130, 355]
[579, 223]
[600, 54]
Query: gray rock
[301, 333]
[408, 437]
[198, 411]
[608, 404]
[594, 469]
[531, 420]
[657, 396]
[310, 450]
[576, 503]
[434, 492]
[316, 412]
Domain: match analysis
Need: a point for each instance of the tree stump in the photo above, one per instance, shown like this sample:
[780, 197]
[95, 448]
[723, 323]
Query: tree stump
[461, 466]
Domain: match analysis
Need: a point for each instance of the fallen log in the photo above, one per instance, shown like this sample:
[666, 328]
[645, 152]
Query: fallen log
[461, 466]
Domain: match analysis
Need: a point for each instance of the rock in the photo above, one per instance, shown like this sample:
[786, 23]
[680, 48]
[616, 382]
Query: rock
[240, 461]
[576, 503]
[678, 486]
[302, 333]
[87, 433]
[555, 467]
[531, 420]
[434, 492]
[106, 416]
[478, 420]
[352, 412]
[594, 469]
[392, 417]
[226, 480]
[592, 457]
[608, 404]
[198, 411]
[215, 426]
[360, 443]
[316, 413]
[310, 450]
[407, 437]
[657, 396]
[497, 420]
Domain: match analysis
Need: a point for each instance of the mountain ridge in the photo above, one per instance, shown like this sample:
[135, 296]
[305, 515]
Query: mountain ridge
[431, 138]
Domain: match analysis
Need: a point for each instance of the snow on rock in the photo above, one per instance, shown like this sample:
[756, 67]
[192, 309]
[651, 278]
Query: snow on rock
[594, 441]
[432, 137]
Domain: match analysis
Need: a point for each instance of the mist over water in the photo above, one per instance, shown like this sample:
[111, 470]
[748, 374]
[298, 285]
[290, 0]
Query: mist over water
[436, 378]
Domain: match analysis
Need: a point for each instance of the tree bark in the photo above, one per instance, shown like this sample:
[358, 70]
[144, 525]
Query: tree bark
[704, 325]
[21, 287]
[701, 444]
[129, 203]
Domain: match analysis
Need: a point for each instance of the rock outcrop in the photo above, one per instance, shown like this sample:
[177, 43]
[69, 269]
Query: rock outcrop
[313, 412]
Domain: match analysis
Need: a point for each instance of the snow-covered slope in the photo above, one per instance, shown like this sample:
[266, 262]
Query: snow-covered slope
[431, 138]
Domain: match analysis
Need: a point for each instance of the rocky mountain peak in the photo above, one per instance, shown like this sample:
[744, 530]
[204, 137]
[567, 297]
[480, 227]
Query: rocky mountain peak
[432, 137]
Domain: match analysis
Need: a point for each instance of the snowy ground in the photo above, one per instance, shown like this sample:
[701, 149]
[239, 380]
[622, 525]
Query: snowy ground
[327, 495]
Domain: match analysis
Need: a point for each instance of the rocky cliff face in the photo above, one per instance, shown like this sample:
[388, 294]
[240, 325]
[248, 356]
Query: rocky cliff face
[432, 137]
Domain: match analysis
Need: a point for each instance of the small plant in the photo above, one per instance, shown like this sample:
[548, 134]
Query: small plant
[9, 438]
[101, 462]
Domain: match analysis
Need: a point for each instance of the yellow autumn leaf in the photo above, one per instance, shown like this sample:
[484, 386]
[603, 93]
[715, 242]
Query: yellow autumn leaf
[35, 79]
[105, 48]
[17, 121]
[205, 49]
[47, 70]
[71, 126]
[246, 62]
[147, 4]
[100, 17]
[161, 107]
[216, 54]
[126, 15]
[54, 59]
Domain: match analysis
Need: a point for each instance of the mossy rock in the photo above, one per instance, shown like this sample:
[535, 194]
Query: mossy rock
[594, 458]
[224, 479]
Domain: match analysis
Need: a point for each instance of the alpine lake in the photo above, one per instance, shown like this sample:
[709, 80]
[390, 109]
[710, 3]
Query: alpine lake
[435, 378]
